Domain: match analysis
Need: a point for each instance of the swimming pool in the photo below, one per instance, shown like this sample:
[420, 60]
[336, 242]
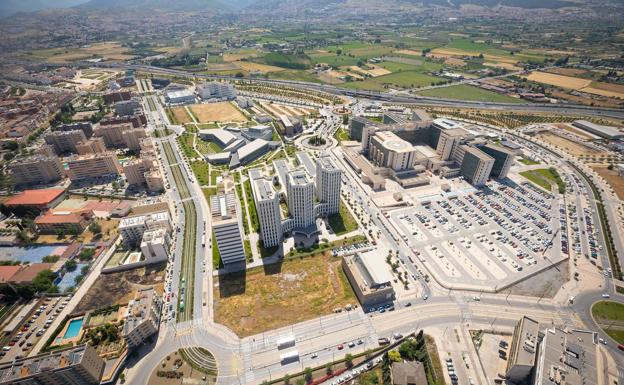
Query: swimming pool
[73, 329]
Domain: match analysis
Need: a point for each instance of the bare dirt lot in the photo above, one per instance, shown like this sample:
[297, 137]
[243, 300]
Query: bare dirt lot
[181, 115]
[571, 147]
[562, 81]
[217, 112]
[119, 288]
[297, 290]
[615, 180]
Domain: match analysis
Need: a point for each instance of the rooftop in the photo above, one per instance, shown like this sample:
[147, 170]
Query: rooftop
[35, 197]
[250, 148]
[568, 357]
[138, 310]
[24, 367]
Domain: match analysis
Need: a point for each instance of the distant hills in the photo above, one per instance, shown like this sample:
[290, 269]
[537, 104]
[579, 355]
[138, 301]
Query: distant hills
[170, 5]
[10, 7]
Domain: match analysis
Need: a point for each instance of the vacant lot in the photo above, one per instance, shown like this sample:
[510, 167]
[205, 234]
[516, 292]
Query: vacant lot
[180, 115]
[118, 288]
[615, 180]
[106, 51]
[573, 148]
[296, 290]
[217, 112]
[559, 80]
[610, 317]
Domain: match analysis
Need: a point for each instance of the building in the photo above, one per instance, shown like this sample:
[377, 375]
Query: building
[37, 199]
[26, 274]
[291, 124]
[94, 145]
[258, 132]
[113, 134]
[136, 169]
[408, 373]
[36, 169]
[222, 137]
[300, 198]
[154, 180]
[227, 228]
[132, 138]
[449, 140]
[93, 166]
[268, 207]
[133, 228]
[369, 277]
[79, 365]
[328, 183]
[179, 97]
[65, 141]
[113, 97]
[244, 102]
[155, 245]
[567, 357]
[606, 132]
[250, 152]
[142, 317]
[522, 351]
[476, 166]
[503, 159]
[128, 107]
[386, 149]
[69, 222]
[138, 120]
[216, 90]
[85, 127]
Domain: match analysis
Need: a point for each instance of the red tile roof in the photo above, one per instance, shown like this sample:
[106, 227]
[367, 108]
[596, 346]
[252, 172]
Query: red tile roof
[52, 217]
[29, 273]
[35, 197]
[6, 272]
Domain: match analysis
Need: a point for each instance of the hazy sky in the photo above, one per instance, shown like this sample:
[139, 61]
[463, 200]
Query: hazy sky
[9, 7]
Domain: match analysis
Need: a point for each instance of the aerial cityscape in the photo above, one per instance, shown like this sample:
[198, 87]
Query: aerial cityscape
[312, 192]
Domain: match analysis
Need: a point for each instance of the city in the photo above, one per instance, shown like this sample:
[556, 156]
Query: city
[254, 193]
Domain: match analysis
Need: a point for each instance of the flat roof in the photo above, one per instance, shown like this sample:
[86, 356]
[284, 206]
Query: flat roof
[221, 135]
[478, 153]
[568, 357]
[179, 94]
[376, 267]
[305, 160]
[264, 189]
[447, 124]
[35, 197]
[299, 177]
[609, 131]
[527, 341]
[392, 142]
[251, 147]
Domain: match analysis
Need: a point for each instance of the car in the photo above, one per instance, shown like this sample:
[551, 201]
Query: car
[340, 347]
[425, 297]
[606, 295]
[314, 355]
[477, 299]
[351, 344]
[360, 342]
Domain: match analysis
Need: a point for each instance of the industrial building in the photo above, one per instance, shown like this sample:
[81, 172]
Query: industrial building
[227, 228]
[606, 132]
[369, 277]
[179, 97]
[93, 166]
[36, 169]
[142, 317]
[80, 365]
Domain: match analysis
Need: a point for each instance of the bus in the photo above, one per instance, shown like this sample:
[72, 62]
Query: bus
[286, 342]
[203, 240]
[289, 357]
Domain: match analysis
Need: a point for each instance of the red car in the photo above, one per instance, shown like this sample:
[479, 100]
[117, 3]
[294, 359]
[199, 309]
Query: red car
[340, 347]
[621, 347]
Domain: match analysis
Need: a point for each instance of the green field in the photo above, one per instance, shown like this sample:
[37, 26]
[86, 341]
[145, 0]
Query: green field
[465, 92]
[405, 79]
[341, 135]
[343, 222]
[528, 162]
[545, 178]
[610, 317]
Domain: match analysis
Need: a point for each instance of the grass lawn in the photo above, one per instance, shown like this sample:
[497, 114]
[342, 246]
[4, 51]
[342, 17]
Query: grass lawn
[216, 255]
[251, 205]
[343, 222]
[465, 92]
[186, 143]
[207, 148]
[404, 79]
[610, 317]
[341, 135]
[200, 169]
[297, 290]
[545, 177]
[528, 162]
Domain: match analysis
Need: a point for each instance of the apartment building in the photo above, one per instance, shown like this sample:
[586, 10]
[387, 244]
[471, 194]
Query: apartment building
[216, 90]
[135, 170]
[65, 141]
[155, 245]
[93, 166]
[36, 169]
[268, 207]
[142, 317]
[85, 127]
[227, 228]
[154, 180]
[328, 182]
[128, 107]
[132, 138]
[95, 145]
[79, 365]
[476, 166]
[133, 228]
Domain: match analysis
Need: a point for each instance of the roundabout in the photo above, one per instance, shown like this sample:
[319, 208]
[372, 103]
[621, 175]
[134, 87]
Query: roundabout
[192, 364]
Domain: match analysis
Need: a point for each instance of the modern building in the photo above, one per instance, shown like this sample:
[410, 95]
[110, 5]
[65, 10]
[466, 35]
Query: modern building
[258, 132]
[179, 97]
[244, 102]
[369, 276]
[155, 245]
[476, 166]
[142, 317]
[65, 141]
[328, 182]
[36, 169]
[85, 127]
[93, 166]
[128, 107]
[292, 125]
[216, 90]
[449, 139]
[251, 151]
[522, 350]
[606, 132]
[222, 137]
[69, 222]
[133, 228]
[79, 365]
[268, 207]
[503, 159]
[227, 228]
[300, 198]
[386, 149]
[94, 145]
[37, 199]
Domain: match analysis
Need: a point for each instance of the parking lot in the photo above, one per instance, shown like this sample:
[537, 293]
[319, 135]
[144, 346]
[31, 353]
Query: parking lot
[487, 239]
[30, 330]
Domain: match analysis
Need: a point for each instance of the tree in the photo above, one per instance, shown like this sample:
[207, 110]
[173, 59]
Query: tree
[286, 379]
[307, 374]
[349, 360]
[60, 234]
[409, 350]
[95, 228]
[300, 381]
[345, 119]
[71, 265]
[328, 369]
[394, 356]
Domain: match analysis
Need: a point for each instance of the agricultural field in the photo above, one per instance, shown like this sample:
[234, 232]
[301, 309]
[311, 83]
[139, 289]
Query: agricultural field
[466, 92]
[217, 112]
[297, 289]
[405, 79]
[105, 51]
[578, 84]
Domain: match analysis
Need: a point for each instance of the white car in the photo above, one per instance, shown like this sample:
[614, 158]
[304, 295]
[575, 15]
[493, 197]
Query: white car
[606, 295]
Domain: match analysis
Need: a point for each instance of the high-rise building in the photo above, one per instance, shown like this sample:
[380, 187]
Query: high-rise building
[476, 166]
[142, 317]
[300, 197]
[226, 225]
[65, 141]
[503, 159]
[135, 171]
[78, 365]
[85, 127]
[132, 138]
[523, 349]
[128, 107]
[154, 180]
[36, 169]
[328, 181]
[93, 166]
[386, 149]
[268, 207]
[94, 145]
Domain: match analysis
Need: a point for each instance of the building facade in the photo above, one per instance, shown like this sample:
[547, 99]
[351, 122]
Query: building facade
[36, 169]
[94, 145]
[328, 184]
[93, 166]
[142, 317]
[503, 159]
[226, 227]
[268, 207]
[216, 90]
[476, 166]
[300, 197]
[65, 141]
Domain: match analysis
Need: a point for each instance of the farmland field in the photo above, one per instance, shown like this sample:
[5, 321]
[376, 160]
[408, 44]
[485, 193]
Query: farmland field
[217, 112]
[405, 79]
[559, 80]
[466, 92]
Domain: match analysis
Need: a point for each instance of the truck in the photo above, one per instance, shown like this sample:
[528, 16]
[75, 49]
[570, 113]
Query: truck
[286, 342]
[289, 357]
